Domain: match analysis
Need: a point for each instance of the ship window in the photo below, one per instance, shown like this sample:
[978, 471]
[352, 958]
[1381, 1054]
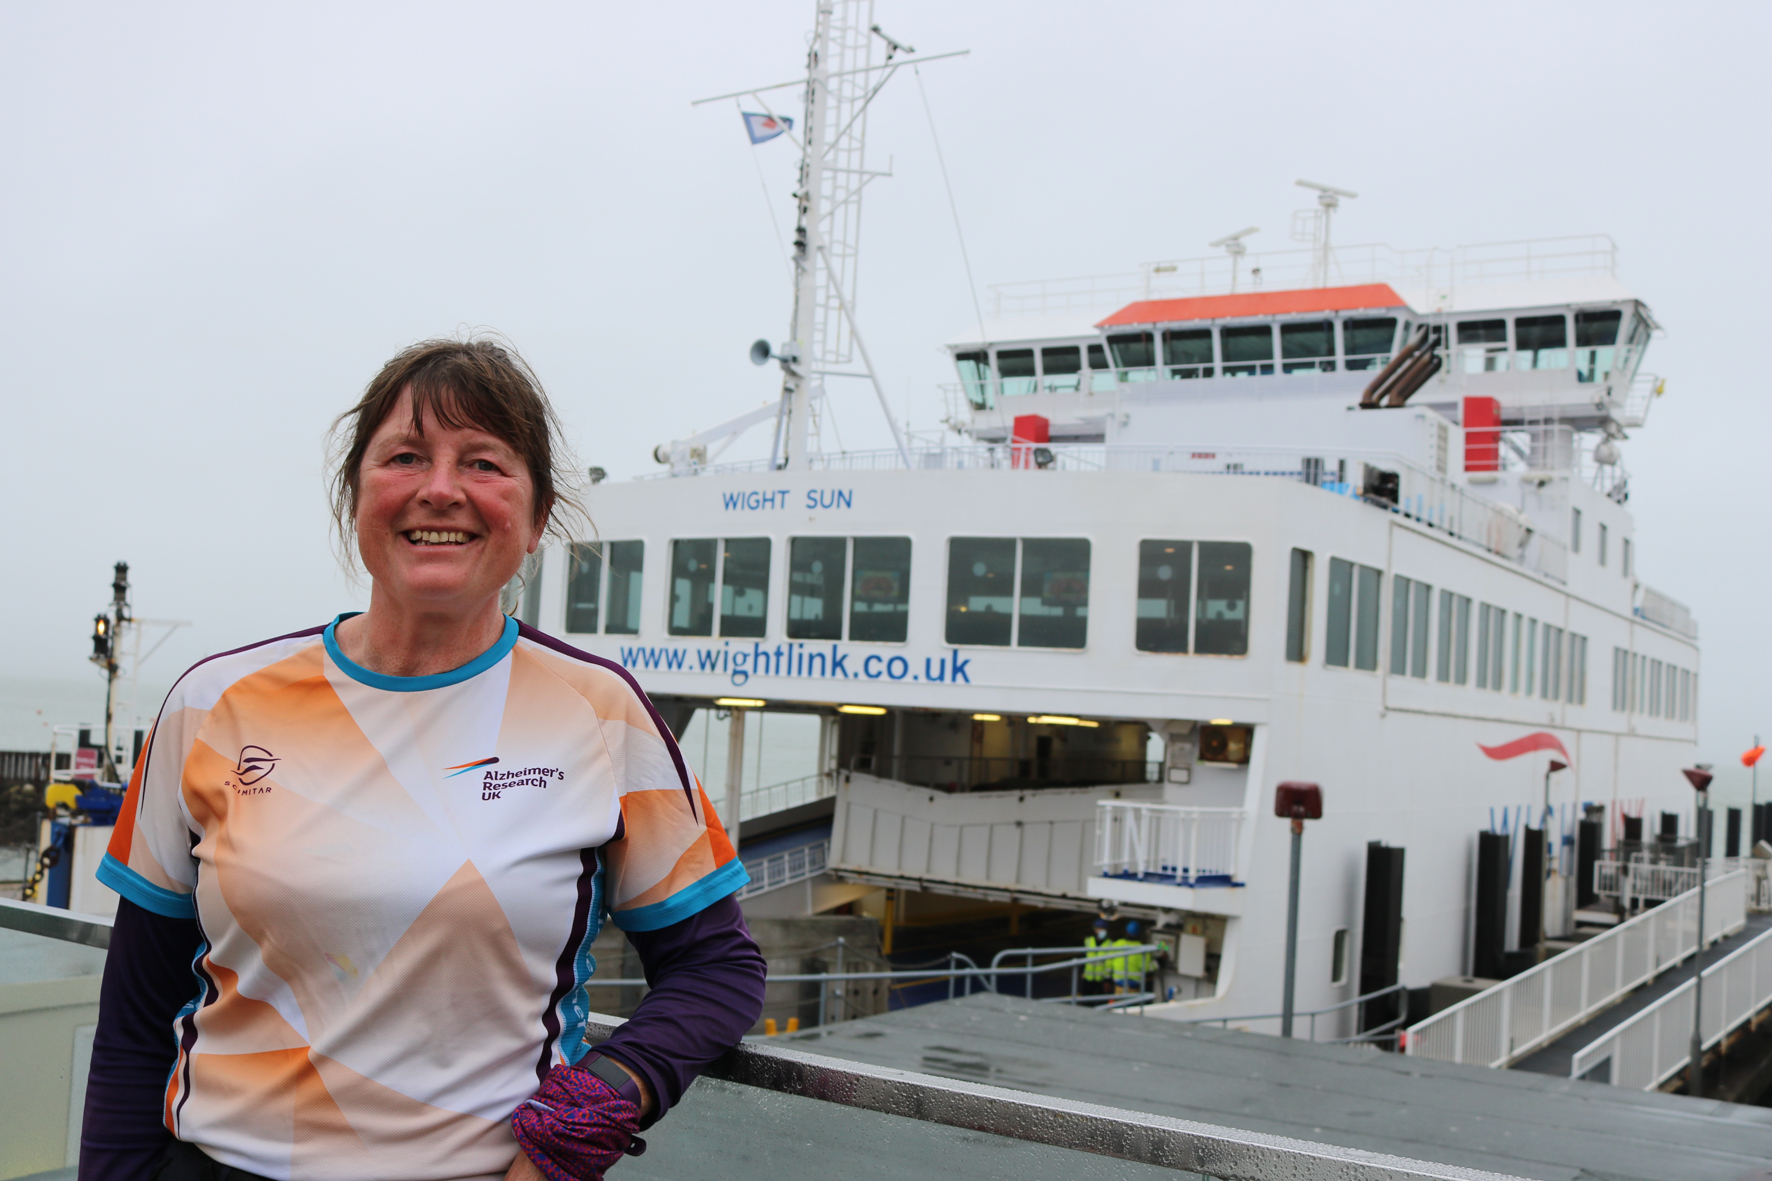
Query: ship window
[1603, 532]
[627, 560]
[1338, 957]
[1461, 640]
[692, 586]
[1513, 676]
[1595, 335]
[981, 590]
[1367, 343]
[1060, 367]
[1133, 350]
[1352, 630]
[1308, 347]
[1101, 374]
[1620, 663]
[1221, 608]
[1400, 626]
[584, 584]
[975, 375]
[1298, 607]
[816, 569]
[744, 587]
[1530, 662]
[1054, 593]
[1443, 670]
[1624, 556]
[880, 595]
[1016, 368]
[1418, 629]
[1551, 683]
[1165, 578]
[1248, 350]
[1188, 352]
[1482, 332]
[1577, 669]
[1542, 342]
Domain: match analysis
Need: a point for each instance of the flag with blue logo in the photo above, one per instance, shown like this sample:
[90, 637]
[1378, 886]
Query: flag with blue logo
[762, 128]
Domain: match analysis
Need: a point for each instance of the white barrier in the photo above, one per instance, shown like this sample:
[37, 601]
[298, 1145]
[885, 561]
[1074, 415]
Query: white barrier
[1656, 1044]
[1502, 1024]
[1165, 842]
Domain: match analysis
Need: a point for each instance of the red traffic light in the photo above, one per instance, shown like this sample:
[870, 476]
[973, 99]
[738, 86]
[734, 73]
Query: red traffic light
[1298, 801]
[1700, 780]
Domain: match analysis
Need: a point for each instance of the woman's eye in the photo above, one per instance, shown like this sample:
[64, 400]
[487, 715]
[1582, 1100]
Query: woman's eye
[485, 465]
[405, 458]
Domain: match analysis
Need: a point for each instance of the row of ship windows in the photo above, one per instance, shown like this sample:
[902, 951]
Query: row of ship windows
[1641, 685]
[1028, 592]
[1527, 657]
[1313, 346]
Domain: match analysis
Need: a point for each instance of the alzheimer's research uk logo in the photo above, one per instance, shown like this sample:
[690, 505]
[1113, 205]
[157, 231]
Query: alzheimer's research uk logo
[255, 763]
[464, 768]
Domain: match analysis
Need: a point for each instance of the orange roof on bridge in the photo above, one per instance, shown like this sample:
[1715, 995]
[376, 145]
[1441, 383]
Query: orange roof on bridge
[1256, 303]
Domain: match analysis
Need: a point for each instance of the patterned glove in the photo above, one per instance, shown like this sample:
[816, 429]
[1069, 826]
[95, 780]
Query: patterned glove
[576, 1126]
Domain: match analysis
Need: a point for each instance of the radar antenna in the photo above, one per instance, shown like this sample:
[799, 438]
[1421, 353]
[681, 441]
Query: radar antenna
[1328, 201]
[1233, 246]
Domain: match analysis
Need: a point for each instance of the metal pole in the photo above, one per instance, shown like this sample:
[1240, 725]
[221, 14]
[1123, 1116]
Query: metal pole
[734, 772]
[1543, 865]
[1695, 1067]
[1292, 928]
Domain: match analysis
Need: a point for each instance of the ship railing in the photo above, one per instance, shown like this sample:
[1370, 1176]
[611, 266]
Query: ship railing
[962, 773]
[777, 797]
[1635, 880]
[798, 864]
[1506, 1022]
[1382, 1033]
[1655, 1045]
[1167, 843]
[1667, 612]
[786, 1083]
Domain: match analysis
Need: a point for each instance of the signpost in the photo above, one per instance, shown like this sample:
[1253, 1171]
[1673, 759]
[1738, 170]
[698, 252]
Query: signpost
[1297, 802]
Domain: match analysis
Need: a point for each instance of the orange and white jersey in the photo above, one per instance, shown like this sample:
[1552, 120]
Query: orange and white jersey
[398, 881]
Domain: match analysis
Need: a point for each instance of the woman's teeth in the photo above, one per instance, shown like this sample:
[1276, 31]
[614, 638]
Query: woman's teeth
[436, 537]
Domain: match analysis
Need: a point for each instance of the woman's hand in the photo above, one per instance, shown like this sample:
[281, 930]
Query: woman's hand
[523, 1169]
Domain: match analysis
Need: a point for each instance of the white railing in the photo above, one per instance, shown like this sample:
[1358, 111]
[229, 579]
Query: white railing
[786, 868]
[1167, 843]
[1627, 879]
[1669, 613]
[1656, 1044]
[1502, 1024]
[778, 797]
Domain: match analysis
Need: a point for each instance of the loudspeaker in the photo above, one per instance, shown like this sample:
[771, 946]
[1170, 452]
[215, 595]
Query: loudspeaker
[1381, 940]
[1490, 924]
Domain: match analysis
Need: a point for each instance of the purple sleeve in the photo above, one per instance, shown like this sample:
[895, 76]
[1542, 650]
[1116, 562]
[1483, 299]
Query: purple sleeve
[147, 981]
[706, 975]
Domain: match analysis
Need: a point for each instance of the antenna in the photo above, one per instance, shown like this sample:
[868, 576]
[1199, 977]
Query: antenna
[1233, 246]
[1329, 200]
[893, 48]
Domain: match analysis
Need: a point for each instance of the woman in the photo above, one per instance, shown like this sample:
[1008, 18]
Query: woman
[362, 865]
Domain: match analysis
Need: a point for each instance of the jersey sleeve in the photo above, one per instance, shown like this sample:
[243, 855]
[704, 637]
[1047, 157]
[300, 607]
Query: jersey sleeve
[671, 856]
[149, 858]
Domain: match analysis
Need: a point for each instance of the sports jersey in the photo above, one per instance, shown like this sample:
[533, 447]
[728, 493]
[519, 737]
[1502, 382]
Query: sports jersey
[397, 882]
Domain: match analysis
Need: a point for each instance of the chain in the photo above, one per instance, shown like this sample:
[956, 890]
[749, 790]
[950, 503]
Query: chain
[46, 861]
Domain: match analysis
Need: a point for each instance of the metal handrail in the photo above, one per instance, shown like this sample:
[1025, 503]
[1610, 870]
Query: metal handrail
[53, 922]
[1224, 1022]
[1229, 1154]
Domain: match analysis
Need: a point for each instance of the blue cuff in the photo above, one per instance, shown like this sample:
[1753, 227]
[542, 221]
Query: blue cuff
[144, 893]
[728, 879]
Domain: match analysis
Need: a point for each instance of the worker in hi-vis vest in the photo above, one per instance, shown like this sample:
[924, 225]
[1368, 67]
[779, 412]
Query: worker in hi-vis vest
[1129, 969]
[1098, 976]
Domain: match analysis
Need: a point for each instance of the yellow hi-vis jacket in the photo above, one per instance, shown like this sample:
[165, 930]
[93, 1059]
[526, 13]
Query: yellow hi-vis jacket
[1129, 970]
[1100, 969]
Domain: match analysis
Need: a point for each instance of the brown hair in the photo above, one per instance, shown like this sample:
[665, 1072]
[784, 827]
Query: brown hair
[479, 383]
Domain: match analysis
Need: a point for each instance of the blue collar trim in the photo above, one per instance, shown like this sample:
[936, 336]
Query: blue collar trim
[454, 676]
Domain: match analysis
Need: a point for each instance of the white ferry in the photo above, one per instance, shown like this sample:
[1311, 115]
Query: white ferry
[1351, 516]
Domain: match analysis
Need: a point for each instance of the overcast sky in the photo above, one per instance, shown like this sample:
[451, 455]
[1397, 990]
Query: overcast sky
[218, 220]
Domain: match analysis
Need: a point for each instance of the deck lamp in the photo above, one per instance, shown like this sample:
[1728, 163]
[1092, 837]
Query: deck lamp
[1699, 778]
[1297, 802]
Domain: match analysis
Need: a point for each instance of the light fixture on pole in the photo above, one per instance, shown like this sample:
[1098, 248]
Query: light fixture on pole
[1297, 802]
[1544, 863]
[1699, 778]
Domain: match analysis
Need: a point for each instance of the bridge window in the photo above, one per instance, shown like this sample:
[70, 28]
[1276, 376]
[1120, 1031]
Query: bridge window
[1596, 333]
[975, 376]
[1135, 355]
[1482, 346]
[1541, 342]
[585, 591]
[1188, 352]
[1308, 347]
[1016, 368]
[1248, 350]
[1101, 374]
[1060, 367]
[878, 594]
[742, 579]
[1367, 343]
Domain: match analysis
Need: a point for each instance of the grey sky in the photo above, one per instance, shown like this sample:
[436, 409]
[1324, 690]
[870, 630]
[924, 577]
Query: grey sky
[219, 219]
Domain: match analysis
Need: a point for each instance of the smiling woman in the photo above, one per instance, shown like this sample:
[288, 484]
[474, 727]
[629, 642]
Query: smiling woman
[377, 852]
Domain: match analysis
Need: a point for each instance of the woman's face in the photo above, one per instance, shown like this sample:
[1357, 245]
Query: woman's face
[444, 518]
